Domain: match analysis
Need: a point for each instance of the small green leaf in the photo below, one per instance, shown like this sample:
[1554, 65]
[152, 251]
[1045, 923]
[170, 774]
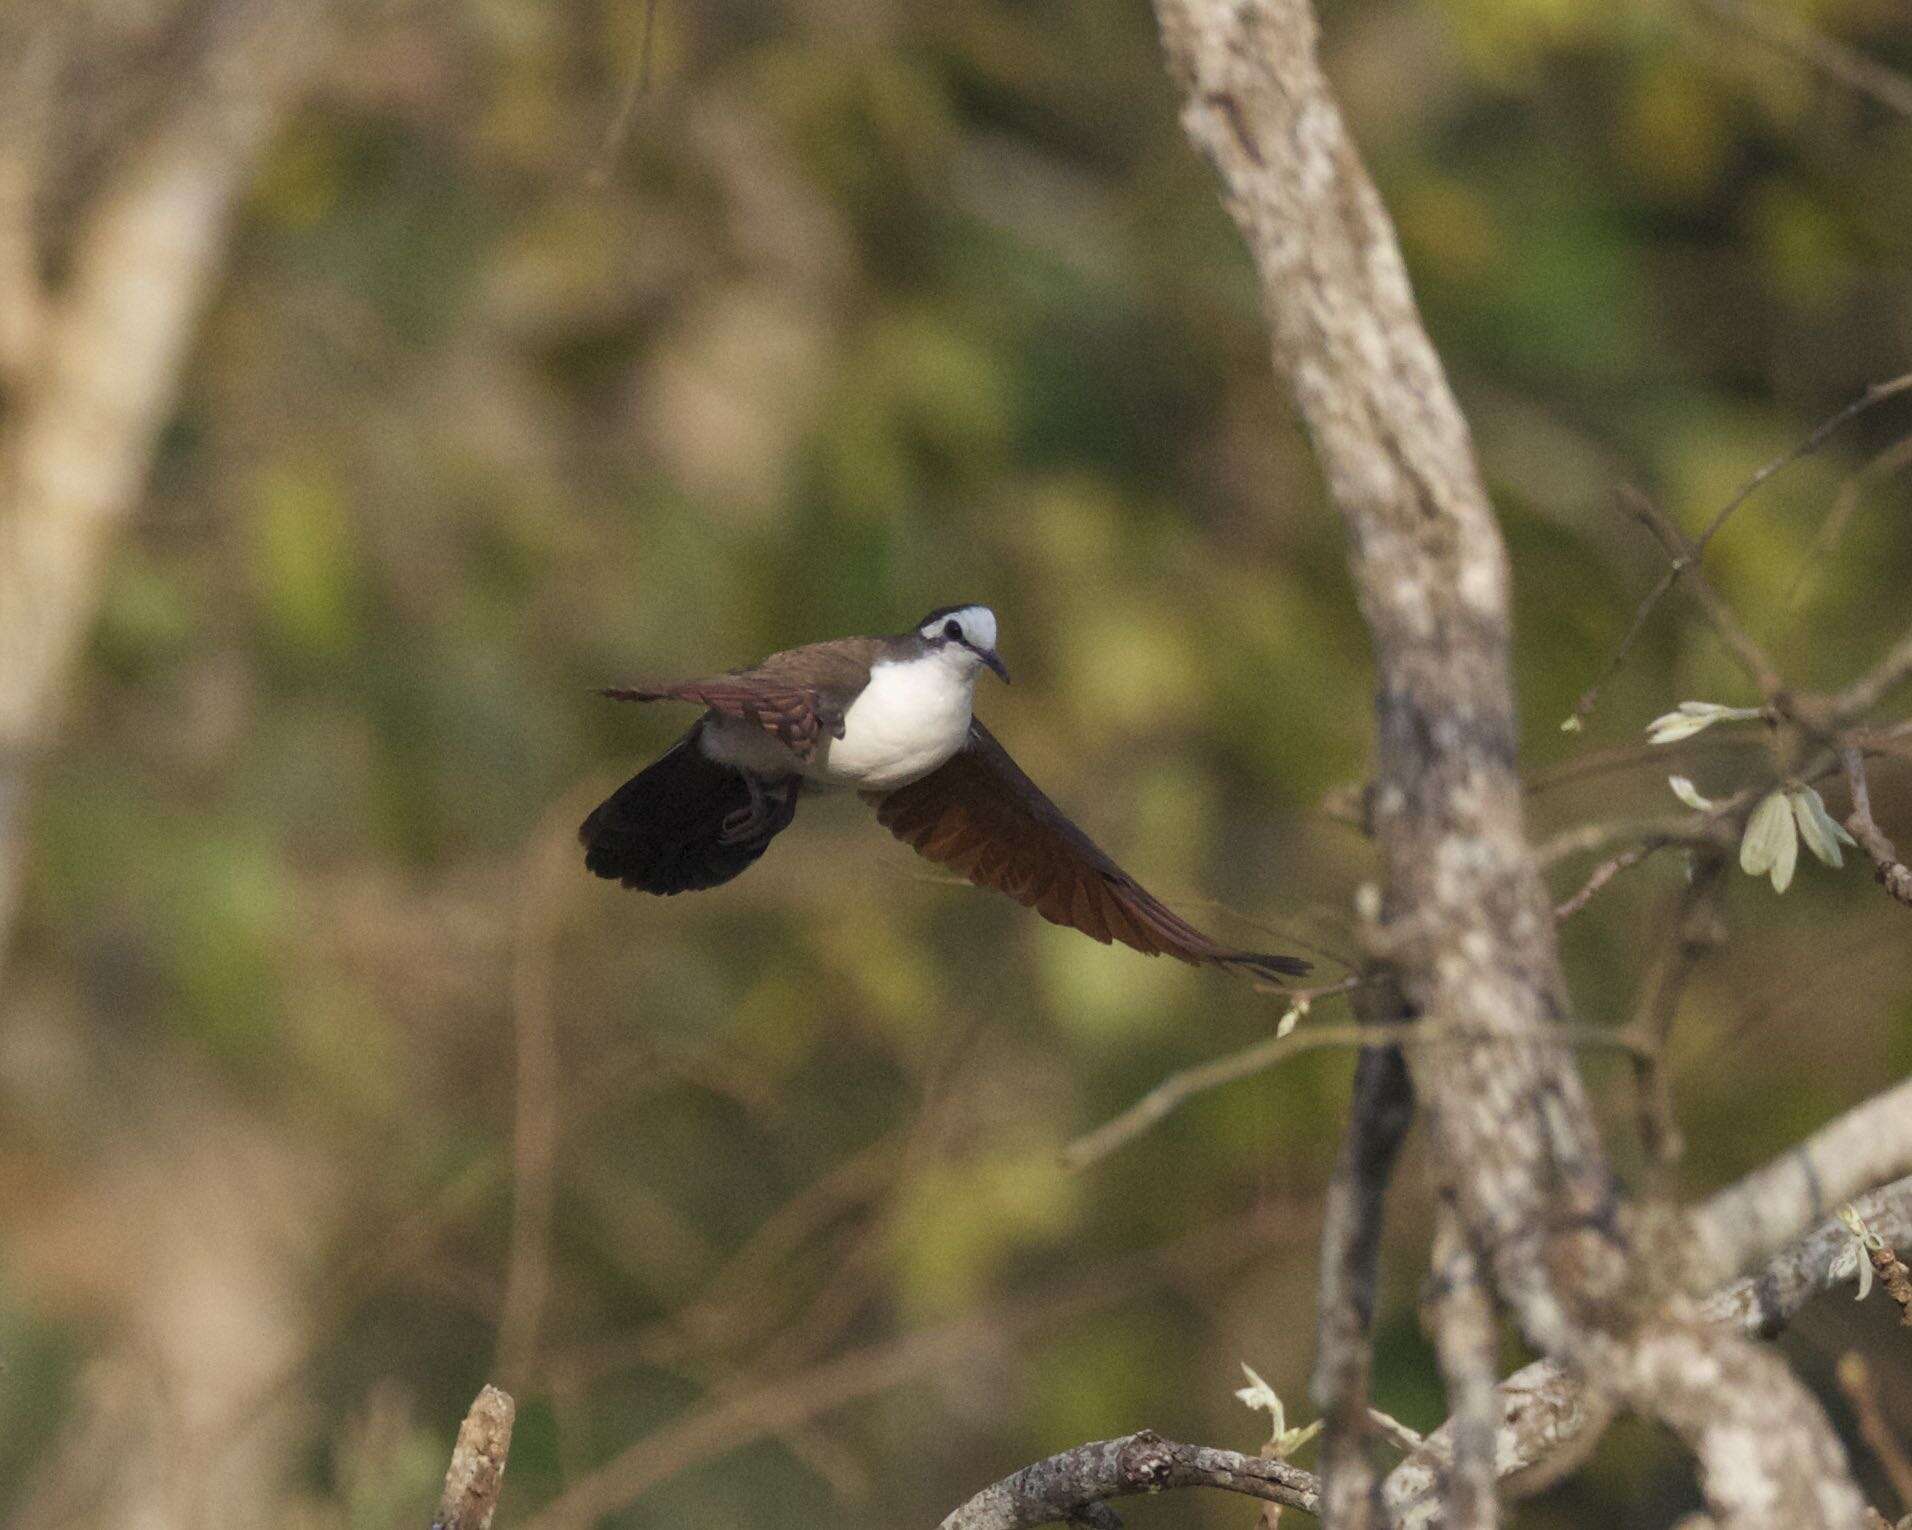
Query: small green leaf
[1691, 717]
[1770, 845]
[1821, 832]
[1689, 794]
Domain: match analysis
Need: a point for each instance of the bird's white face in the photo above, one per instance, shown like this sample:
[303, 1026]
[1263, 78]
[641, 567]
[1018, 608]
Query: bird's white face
[965, 637]
[974, 626]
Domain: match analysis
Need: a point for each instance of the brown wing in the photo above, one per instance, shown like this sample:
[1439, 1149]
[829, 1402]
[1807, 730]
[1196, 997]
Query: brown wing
[795, 695]
[980, 815]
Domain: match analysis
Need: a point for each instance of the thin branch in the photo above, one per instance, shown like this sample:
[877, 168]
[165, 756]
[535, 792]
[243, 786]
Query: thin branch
[1177, 1088]
[548, 870]
[1855, 1380]
[1762, 1305]
[1712, 828]
[1745, 1225]
[477, 1464]
[1378, 1119]
[1590, 697]
[1866, 692]
[1689, 563]
[1845, 506]
[1875, 394]
[1693, 928]
[1846, 66]
[1684, 557]
[1459, 1315]
[783, 1401]
[1604, 873]
[1606, 762]
[32, 38]
[1550, 1418]
[1891, 872]
[1074, 1485]
[634, 92]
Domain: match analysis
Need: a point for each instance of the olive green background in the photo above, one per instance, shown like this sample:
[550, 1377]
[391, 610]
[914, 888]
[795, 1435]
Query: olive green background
[869, 307]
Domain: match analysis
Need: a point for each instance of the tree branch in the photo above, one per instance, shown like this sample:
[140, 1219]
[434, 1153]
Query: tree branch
[1468, 928]
[1891, 872]
[1747, 1223]
[1683, 557]
[1786, 34]
[1379, 1116]
[1870, 688]
[1074, 1485]
[477, 1464]
[1460, 1317]
[1550, 1418]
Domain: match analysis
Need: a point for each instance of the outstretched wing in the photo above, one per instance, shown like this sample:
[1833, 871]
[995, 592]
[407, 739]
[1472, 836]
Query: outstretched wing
[796, 696]
[980, 815]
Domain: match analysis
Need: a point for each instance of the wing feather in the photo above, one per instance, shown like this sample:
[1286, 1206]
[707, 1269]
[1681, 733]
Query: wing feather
[795, 696]
[979, 815]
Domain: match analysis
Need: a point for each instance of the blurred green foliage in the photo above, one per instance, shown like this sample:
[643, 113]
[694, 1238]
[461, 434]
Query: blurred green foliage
[868, 308]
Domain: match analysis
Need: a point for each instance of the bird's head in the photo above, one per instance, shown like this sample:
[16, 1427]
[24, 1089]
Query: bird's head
[965, 633]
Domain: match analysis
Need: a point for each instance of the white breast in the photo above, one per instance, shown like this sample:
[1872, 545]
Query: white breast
[909, 719]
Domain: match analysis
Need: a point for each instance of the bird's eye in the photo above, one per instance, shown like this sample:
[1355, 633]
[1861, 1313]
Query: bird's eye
[953, 629]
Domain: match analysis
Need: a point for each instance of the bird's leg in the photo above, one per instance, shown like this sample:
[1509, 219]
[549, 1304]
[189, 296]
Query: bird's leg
[744, 823]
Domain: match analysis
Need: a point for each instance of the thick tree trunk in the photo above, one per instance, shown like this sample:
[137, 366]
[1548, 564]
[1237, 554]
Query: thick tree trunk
[1464, 922]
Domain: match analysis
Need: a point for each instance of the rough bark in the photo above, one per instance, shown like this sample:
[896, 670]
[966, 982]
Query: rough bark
[1382, 1109]
[1549, 1417]
[477, 1470]
[1466, 923]
[1075, 1485]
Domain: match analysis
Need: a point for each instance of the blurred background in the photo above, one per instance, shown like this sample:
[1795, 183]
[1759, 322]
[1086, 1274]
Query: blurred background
[552, 346]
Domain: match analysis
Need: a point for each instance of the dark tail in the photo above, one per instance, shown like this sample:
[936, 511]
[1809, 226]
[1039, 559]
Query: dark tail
[1270, 969]
[663, 830]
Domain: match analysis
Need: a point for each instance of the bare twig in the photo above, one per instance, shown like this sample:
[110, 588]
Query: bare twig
[780, 1402]
[1692, 928]
[1787, 34]
[1074, 1485]
[1762, 1305]
[31, 41]
[1886, 865]
[1687, 563]
[1714, 827]
[1845, 505]
[1469, 928]
[1459, 1315]
[1745, 1225]
[1866, 692]
[1855, 1380]
[1550, 1418]
[1166, 1096]
[1590, 697]
[1894, 1275]
[535, 1121]
[1604, 873]
[1606, 762]
[638, 87]
[1379, 1116]
[477, 1464]
[1875, 394]
[1684, 557]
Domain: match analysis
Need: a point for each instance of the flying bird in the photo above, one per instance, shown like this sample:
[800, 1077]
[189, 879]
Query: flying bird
[889, 717]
